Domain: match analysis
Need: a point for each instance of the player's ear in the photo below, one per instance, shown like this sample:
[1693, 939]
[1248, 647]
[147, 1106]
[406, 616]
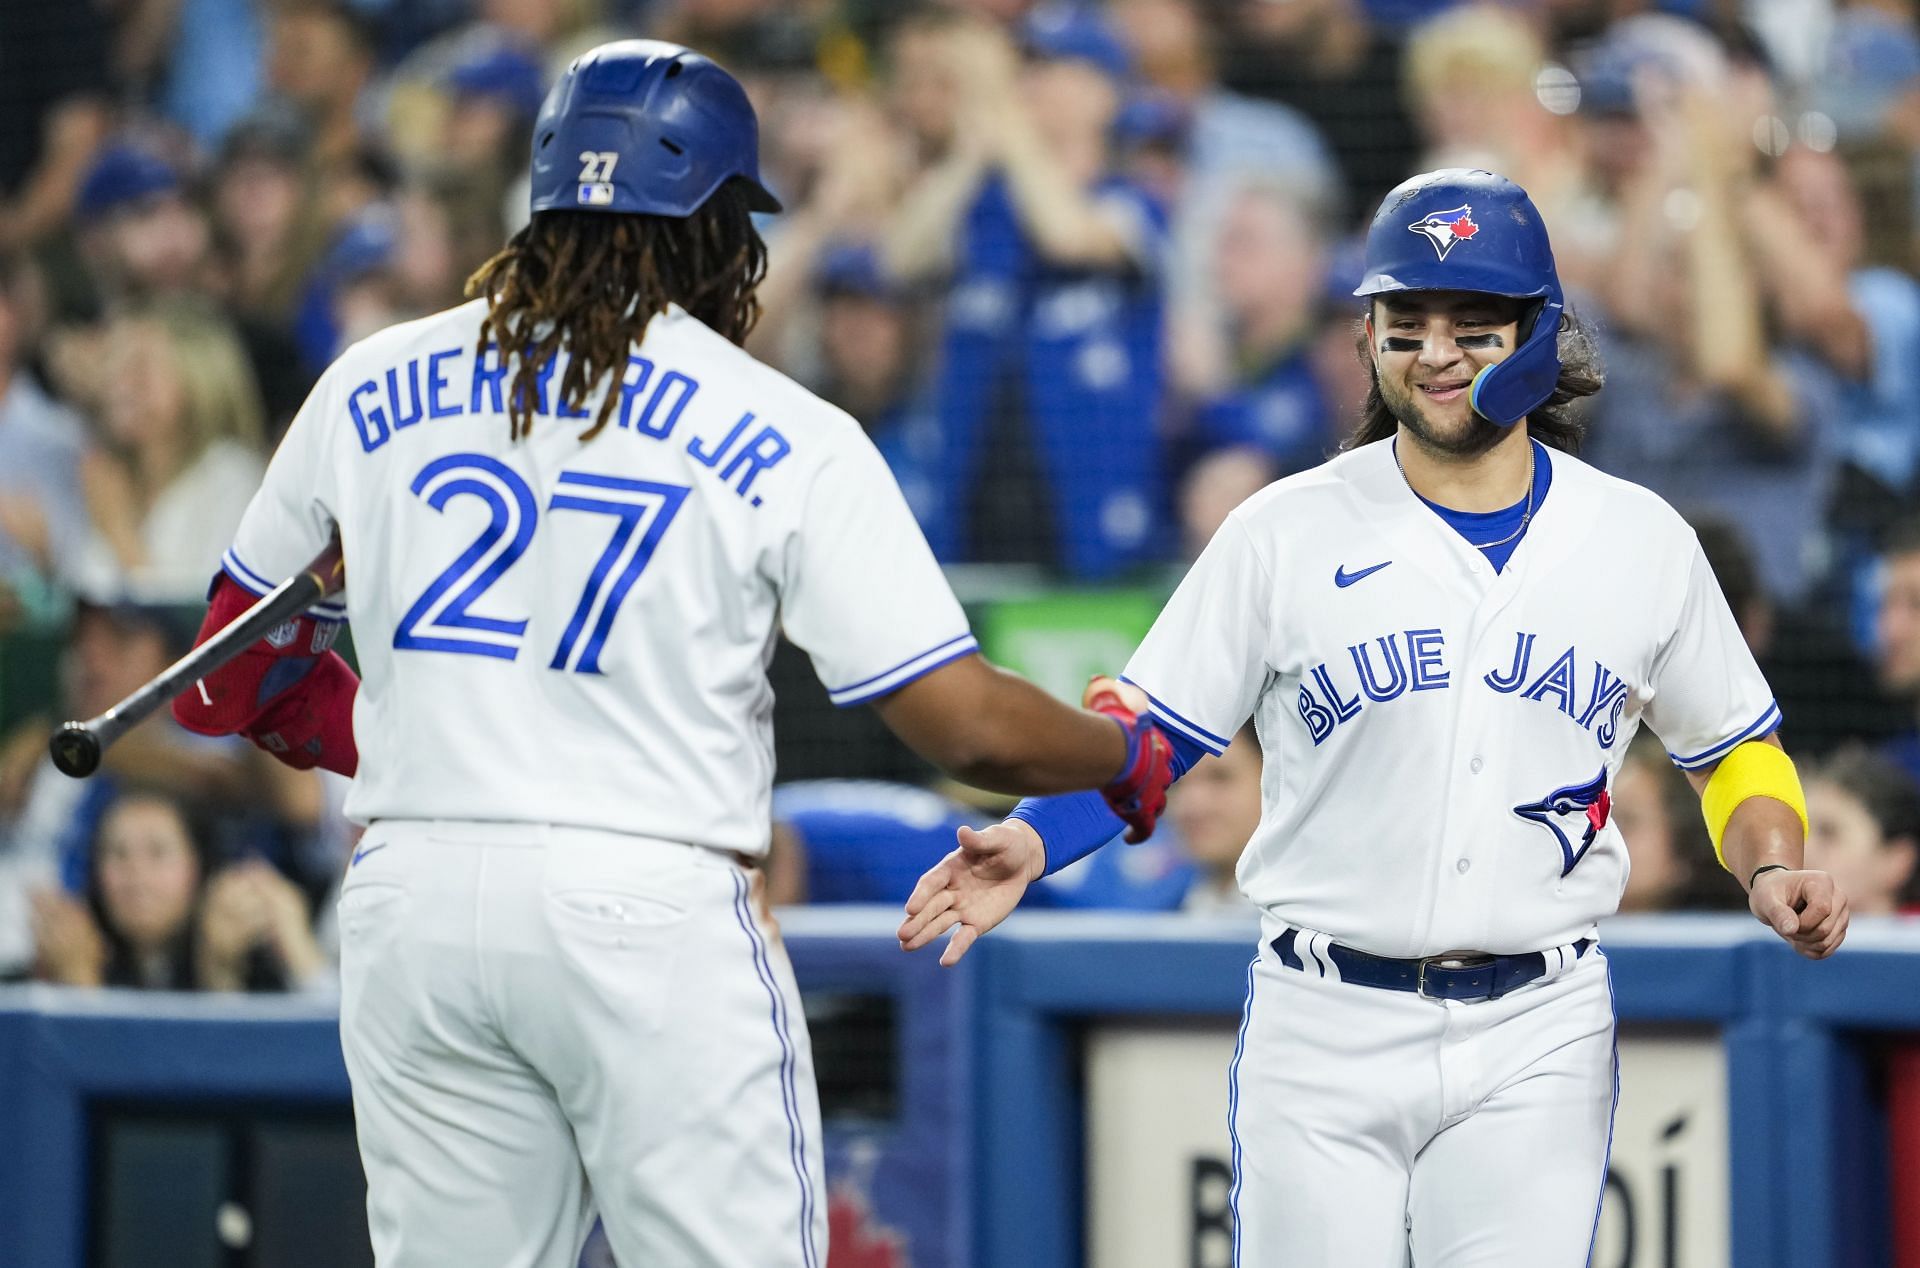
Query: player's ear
[1373, 352]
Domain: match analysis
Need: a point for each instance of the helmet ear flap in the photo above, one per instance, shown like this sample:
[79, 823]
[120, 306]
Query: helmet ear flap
[1506, 392]
[1530, 318]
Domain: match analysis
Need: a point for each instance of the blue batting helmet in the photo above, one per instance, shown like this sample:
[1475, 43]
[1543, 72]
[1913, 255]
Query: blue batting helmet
[644, 126]
[1463, 230]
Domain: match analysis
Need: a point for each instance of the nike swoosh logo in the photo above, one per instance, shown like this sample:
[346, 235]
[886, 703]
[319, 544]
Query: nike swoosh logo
[1343, 578]
[372, 849]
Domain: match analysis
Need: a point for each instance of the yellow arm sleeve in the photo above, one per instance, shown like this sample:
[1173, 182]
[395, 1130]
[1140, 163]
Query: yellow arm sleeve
[1753, 769]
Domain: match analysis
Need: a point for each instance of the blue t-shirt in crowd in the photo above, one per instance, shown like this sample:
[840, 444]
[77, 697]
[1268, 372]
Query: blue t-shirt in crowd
[1281, 411]
[1076, 354]
[1879, 421]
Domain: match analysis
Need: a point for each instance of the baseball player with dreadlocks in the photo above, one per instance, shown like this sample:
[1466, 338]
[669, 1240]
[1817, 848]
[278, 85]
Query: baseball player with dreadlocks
[1446, 637]
[575, 516]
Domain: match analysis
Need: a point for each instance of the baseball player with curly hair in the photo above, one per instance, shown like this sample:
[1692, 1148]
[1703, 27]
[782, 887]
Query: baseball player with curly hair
[1446, 637]
[576, 515]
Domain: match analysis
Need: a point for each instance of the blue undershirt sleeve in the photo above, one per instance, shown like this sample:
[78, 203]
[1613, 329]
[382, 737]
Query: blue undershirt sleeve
[1074, 825]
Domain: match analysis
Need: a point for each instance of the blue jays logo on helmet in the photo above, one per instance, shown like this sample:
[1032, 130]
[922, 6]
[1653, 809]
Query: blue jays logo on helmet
[1445, 229]
[1581, 808]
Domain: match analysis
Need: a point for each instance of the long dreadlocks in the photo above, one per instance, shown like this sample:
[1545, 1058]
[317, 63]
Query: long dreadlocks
[589, 283]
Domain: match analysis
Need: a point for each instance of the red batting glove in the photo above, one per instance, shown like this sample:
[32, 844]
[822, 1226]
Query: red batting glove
[288, 692]
[311, 723]
[1138, 794]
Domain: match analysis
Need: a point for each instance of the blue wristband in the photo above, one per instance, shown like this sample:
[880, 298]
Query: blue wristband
[1076, 824]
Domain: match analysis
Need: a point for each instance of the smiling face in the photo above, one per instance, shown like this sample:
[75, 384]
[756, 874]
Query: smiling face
[1426, 347]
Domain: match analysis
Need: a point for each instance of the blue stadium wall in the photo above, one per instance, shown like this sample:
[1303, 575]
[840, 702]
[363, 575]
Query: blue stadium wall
[981, 1158]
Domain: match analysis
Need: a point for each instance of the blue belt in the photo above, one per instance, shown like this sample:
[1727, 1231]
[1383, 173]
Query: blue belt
[1467, 978]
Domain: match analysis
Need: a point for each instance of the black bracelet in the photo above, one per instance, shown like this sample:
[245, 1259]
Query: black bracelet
[1765, 867]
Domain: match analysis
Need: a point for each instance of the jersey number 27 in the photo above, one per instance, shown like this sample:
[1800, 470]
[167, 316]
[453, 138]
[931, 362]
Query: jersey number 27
[441, 619]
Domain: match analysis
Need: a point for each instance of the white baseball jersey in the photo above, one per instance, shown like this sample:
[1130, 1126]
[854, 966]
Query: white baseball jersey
[1438, 737]
[576, 633]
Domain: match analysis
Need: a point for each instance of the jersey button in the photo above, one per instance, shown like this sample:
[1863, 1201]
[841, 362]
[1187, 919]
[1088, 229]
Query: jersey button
[1475, 765]
[1463, 866]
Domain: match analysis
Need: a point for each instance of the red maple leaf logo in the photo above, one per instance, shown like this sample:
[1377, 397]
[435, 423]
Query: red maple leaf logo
[1464, 228]
[1598, 811]
[856, 1240]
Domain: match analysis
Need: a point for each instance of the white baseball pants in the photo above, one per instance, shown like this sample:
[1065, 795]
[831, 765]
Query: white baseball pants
[541, 1021]
[1375, 1128]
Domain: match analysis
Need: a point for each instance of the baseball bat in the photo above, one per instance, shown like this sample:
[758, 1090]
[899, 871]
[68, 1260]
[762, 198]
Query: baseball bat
[77, 746]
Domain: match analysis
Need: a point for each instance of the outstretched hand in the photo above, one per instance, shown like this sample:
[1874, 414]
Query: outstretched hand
[1805, 908]
[974, 888]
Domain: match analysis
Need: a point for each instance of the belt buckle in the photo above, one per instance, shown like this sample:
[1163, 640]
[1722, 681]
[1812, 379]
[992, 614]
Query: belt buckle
[1446, 961]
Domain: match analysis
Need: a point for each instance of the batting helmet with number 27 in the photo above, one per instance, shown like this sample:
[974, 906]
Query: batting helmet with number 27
[645, 126]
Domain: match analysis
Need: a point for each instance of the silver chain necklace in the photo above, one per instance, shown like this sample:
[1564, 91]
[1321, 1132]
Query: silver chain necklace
[1525, 518]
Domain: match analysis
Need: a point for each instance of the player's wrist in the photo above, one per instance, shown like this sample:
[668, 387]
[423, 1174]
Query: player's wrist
[1033, 849]
[1129, 742]
[1106, 696]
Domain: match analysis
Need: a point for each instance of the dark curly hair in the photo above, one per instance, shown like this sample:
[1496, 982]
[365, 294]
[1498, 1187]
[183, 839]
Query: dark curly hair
[590, 282]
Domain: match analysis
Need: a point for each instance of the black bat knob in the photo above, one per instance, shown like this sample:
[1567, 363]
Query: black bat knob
[76, 750]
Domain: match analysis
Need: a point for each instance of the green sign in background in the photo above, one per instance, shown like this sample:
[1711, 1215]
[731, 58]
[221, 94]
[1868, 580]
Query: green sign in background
[1061, 639]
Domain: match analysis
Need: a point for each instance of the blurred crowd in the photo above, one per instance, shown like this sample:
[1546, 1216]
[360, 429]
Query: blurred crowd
[1082, 269]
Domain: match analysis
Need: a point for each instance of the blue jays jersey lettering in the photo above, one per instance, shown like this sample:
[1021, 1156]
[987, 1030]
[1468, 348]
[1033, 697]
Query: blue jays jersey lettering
[1387, 666]
[1440, 737]
[626, 589]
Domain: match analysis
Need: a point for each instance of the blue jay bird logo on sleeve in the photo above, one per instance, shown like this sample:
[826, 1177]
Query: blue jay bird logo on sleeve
[1447, 229]
[1590, 801]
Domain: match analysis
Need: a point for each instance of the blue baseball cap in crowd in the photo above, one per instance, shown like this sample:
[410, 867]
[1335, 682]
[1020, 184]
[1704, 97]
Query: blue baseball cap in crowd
[1872, 58]
[1346, 268]
[504, 72]
[1664, 49]
[1059, 32]
[853, 269]
[1152, 118]
[1400, 14]
[365, 244]
[123, 174]
[1607, 69]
